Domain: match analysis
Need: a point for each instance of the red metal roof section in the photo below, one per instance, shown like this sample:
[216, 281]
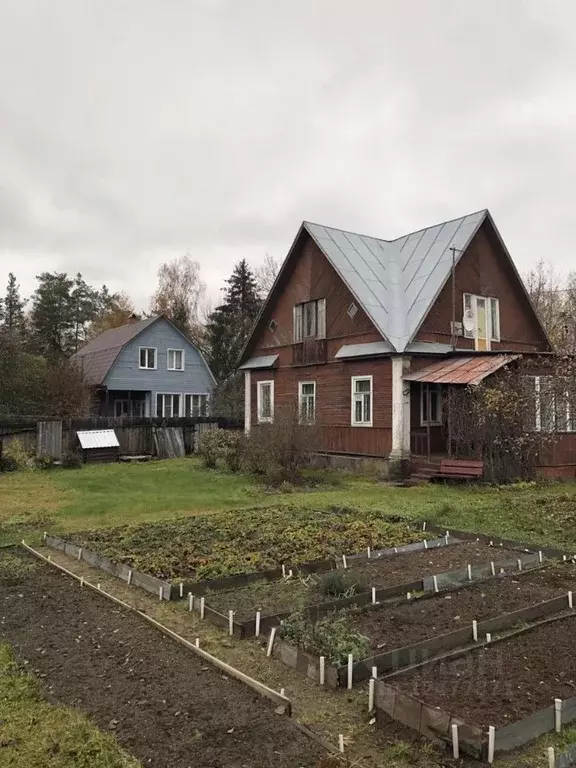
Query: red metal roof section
[461, 370]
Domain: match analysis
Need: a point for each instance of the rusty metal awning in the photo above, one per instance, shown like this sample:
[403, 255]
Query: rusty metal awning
[461, 370]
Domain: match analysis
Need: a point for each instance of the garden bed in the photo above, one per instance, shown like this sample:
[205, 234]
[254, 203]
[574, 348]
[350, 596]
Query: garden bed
[509, 685]
[165, 705]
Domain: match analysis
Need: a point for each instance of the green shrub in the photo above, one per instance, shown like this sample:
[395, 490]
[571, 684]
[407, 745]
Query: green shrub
[339, 584]
[213, 447]
[233, 449]
[333, 636]
[15, 458]
[72, 460]
[44, 462]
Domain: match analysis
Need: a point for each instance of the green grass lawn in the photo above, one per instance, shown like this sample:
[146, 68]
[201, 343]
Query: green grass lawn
[35, 734]
[110, 495]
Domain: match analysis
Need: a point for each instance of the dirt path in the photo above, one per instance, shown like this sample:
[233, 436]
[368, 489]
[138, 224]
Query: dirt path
[165, 706]
[502, 683]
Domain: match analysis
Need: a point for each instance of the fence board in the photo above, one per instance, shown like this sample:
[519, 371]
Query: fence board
[49, 439]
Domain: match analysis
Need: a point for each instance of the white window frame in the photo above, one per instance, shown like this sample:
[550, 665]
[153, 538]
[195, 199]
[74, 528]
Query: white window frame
[259, 385]
[168, 394]
[555, 404]
[426, 422]
[196, 394]
[301, 397]
[180, 370]
[492, 334]
[353, 396]
[148, 367]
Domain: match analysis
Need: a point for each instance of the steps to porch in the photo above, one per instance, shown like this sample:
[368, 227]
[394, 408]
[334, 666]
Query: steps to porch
[424, 470]
[427, 469]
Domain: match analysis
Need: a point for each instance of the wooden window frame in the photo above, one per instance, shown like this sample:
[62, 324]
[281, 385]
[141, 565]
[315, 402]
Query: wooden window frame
[301, 396]
[491, 333]
[147, 350]
[427, 422]
[183, 352]
[196, 394]
[353, 396]
[259, 385]
[299, 315]
[169, 394]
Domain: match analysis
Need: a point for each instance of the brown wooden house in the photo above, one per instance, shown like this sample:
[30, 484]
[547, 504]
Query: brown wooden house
[366, 335]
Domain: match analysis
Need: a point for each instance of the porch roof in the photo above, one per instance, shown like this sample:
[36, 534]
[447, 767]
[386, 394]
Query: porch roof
[461, 370]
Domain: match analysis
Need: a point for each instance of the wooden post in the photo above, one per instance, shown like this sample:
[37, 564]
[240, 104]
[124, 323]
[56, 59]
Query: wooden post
[190, 601]
[230, 623]
[488, 637]
[558, 715]
[469, 570]
[493, 568]
[519, 561]
[570, 600]
[181, 589]
[80, 553]
[371, 685]
[350, 671]
[540, 556]
[257, 629]
[344, 562]
[368, 552]
[322, 670]
[341, 742]
[202, 607]
[129, 579]
[375, 672]
[435, 582]
[425, 543]
[475, 630]
[160, 593]
[271, 641]
[455, 742]
[373, 595]
[551, 757]
[491, 743]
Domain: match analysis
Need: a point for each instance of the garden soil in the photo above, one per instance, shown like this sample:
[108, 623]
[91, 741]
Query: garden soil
[504, 682]
[165, 706]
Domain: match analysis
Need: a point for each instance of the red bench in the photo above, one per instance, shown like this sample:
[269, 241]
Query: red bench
[461, 469]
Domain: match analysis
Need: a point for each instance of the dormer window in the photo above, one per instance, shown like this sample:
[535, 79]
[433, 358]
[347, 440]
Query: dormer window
[310, 320]
[481, 320]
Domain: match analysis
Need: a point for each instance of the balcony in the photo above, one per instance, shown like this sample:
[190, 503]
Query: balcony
[309, 352]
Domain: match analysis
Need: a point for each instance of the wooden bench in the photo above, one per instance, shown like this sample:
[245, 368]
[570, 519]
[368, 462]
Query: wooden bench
[461, 469]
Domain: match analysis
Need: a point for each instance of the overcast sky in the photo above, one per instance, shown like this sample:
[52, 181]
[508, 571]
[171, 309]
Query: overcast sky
[132, 131]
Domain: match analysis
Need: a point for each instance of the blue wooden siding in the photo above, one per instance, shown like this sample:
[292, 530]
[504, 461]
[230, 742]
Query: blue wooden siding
[126, 374]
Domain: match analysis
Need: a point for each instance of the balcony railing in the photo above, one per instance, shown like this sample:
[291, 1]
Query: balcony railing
[309, 351]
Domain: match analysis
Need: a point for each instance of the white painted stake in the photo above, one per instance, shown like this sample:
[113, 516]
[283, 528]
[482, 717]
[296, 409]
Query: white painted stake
[375, 673]
[230, 623]
[564, 558]
[519, 561]
[491, 543]
[201, 607]
[44, 536]
[455, 742]
[81, 581]
[190, 601]
[475, 630]
[551, 757]
[447, 534]
[98, 586]
[350, 671]
[570, 600]
[558, 715]
[197, 643]
[160, 593]
[446, 539]
[341, 742]
[493, 568]
[424, 525]
[271, 641]
[49, 558]
[257, 629]
[540, 556]
[283, 571]
[322, 670]
[281, 691]
[129, 579]
[80, 553]
[488, 637]
[491, 743]
[408, 595]
[371, 685]
[290, 573]
[373, 595]
[395, 550]
[368, 553]
[469, 569]
[425, 543]
[344, 562]
[181, 589]
[435, 582]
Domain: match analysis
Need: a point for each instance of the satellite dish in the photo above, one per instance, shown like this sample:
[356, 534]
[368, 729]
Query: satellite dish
[468, 323]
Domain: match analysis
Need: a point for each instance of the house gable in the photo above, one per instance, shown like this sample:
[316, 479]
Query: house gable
[307, 275]
[485, 269]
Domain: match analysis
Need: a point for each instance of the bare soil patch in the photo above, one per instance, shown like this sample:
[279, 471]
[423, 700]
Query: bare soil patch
[504, 682]
[165, 706]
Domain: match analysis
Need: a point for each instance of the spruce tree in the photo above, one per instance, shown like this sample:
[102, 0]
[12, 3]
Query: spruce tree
[13, 307]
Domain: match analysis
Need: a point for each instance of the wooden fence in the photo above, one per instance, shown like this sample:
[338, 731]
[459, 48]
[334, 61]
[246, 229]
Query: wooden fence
[135, 435]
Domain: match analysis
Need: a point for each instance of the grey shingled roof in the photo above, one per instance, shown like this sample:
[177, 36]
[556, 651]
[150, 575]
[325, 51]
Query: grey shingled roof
[397, 281]
[98, 356]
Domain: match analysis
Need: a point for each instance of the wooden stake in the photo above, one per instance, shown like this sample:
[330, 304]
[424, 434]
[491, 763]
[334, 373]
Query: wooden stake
[322, 670]
[160, 593]
[475, 630]
[373, 595]
[564, 558]
[371, 686]
[488, 637]
[455, 742]
[424, 525]
[98, 586]
[341, 742]
[519, 561]
[190, 601]
[491, 743]
[201, 607]
[281, 691]
[290, 573]
[425, 543]
[271, 641]
[368, 554]
[551, 757]
[491, 543]
[540, 556]
[558, 715]
[408, 595]
[81, 581]
[257, 629]
[469, 569]
[435, 582]
[344, 562]
[129, 579]
[375, 673]
[395, 550]
[44, 536]
[197, 643]
[283, 571]
[350, 671]
[570, 600]
[80, 553]
[446, 539]
[181, 589]
[49, 558]
[493, 568]
[230, 623]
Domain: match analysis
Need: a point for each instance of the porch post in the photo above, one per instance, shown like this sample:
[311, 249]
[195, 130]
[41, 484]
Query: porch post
[247, 401]
[400, 410]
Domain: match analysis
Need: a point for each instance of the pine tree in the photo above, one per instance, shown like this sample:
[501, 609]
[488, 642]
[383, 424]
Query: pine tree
[231, 322]
[13, 308]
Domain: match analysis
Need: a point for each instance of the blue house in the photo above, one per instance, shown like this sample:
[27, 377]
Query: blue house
[146, 368]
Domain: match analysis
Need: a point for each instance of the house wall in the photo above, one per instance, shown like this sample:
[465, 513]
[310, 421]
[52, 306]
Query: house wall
[483, 270]
[126, 374]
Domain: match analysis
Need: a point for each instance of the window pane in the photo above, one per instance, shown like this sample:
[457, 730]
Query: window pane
[367, 414]
[265, 410]
[175, 405]
[203, 405]
[310, 319]
[358, 410]
[495, 319]
[433, 406]
[424, 395]
[307, 389]
[142, 358]
[159, 401]
[363, 385]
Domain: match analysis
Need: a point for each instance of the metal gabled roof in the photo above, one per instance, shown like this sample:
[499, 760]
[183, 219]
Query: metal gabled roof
[397, 281]
[461, 370]
[265, 361]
